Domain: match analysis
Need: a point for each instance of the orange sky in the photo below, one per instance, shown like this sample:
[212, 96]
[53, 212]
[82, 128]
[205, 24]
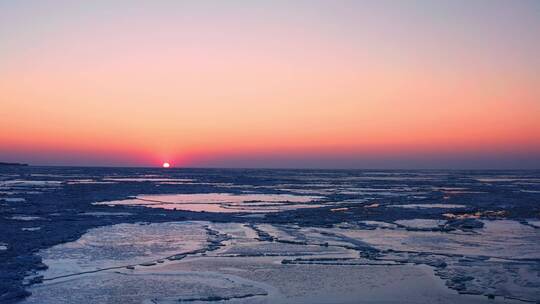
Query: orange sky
[122, 83]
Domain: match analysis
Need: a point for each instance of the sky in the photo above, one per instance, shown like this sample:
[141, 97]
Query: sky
[286, 84]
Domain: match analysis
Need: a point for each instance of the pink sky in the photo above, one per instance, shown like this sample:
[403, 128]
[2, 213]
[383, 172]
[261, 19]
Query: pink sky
[348, 84]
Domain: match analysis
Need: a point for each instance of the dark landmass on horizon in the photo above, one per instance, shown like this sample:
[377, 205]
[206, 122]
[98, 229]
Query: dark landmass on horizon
[13, 164]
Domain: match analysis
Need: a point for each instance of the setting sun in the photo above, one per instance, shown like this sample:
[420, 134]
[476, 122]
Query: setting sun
[166, 165]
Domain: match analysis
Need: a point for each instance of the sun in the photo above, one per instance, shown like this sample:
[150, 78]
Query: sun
[166, 165]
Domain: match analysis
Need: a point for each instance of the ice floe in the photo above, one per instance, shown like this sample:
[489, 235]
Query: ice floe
[204, 262]
[221, 202]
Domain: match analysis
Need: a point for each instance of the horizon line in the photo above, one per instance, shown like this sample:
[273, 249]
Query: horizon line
[278, 168]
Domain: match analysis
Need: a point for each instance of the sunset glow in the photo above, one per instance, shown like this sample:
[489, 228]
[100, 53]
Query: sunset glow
[271, 84]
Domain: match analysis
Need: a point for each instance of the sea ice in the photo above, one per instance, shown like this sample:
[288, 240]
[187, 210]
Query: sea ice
[221, 202]
[236, 263]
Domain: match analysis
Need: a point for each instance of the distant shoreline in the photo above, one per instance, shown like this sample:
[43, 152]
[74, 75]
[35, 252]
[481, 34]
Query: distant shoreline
[13, 164]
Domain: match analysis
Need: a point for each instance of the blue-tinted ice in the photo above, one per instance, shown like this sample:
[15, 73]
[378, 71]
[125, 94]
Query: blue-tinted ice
[264, 264]
[221, 202]
[80, 235]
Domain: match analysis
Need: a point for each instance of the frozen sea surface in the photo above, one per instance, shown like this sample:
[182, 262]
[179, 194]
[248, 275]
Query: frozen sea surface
[132, 235]
[221, 202]
[123, 245]
[207, 262]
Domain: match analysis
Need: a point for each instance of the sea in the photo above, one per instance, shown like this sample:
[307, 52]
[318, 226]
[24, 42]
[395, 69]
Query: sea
[175, 235]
